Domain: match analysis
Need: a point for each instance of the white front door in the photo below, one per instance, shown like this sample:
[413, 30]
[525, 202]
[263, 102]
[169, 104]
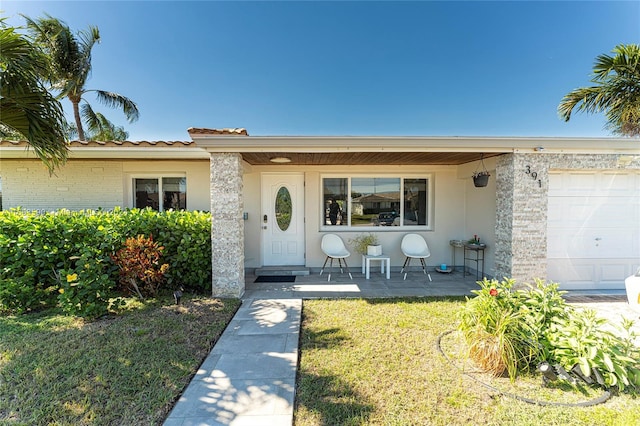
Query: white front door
[282, 219]
[593, 228]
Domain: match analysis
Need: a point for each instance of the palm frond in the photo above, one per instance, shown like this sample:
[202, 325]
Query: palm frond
[100, 128]
[90, 118]
[115, 100]
[616, 91]
[28, 109]
[87, 39]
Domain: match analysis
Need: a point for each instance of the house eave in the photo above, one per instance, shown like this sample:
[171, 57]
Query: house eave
[341, 144]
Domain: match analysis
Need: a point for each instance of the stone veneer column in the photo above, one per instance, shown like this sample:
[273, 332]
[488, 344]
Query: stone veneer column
[521, 217]
[504, 216]
[522, 205]
[227, 226]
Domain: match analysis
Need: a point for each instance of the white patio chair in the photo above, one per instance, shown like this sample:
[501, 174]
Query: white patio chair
[333, 246]
[414, 246]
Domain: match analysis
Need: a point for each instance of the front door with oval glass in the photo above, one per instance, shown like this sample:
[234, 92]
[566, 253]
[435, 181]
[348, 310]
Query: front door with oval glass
[282, 219]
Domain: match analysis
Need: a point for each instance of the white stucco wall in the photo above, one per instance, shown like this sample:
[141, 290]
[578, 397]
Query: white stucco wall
[454, 196]
[93, 184]
[480, 212]
[252, 229]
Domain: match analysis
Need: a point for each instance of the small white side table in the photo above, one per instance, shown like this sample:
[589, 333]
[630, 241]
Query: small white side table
[383, 258]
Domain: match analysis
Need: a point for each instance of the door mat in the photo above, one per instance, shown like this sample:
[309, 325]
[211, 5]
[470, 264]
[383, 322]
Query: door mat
[275, 279]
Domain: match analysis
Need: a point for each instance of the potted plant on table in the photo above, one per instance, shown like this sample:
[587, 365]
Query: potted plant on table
[366, 244]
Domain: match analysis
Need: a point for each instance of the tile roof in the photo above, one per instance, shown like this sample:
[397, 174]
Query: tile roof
[73, 144]
[238, 131]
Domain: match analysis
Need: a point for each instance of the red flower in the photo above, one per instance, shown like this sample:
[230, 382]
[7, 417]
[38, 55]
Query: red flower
[493, 292]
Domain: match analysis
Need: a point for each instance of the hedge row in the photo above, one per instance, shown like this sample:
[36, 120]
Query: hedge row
[38, 252]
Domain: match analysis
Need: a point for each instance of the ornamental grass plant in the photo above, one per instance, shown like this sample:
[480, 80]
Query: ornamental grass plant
[513, 331]
[494, 328]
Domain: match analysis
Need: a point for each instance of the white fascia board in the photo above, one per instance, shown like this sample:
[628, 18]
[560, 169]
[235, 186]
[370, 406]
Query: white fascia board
[140, 153]
[115, 153]
[17, 152]
[415, 144]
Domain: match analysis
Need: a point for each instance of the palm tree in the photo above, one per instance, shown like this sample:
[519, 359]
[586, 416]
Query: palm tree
[70, 66]
[29, 111]
[616, 91]
[103, 131]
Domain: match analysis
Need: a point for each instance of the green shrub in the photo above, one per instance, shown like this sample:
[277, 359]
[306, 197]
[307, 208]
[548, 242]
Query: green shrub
[36, 248]
[579, 340]
[87, 289]
[523, 328]
[186, 238]
[19, 294]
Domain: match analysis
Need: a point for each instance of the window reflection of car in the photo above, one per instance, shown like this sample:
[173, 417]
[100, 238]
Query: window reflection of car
[386, 218]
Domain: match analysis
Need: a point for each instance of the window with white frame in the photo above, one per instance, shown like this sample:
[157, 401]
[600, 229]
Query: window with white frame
[160, 193]
[367, 201]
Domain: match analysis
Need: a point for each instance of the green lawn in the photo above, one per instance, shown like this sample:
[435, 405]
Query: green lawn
[121, 370]
[376, 362]
[363, 362]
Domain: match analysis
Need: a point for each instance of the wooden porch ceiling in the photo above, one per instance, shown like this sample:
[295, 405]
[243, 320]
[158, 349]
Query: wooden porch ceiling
[367, 158]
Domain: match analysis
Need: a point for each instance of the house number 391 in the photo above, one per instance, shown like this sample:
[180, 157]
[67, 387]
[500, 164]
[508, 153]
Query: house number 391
[534, 175]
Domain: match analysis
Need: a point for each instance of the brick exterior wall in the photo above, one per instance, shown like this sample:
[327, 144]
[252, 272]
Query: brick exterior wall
[75, 186]
[521, 207]
[227, 226]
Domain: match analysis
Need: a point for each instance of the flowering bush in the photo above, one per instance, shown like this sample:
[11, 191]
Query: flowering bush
[87, 289]
[507, 330]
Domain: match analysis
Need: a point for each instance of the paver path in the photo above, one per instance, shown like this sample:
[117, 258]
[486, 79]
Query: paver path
[249, 376]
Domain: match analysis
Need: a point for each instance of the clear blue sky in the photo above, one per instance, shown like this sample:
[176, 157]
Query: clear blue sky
[346, 68]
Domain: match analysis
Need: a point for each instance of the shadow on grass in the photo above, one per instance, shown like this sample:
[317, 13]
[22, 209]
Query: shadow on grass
[325, 339]
[327, 399]
[330, 401]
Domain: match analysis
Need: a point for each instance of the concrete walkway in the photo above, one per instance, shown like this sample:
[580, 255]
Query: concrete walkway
[249, 376]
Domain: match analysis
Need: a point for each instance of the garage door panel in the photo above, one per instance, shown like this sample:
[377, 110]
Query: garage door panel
[577, 183]
[609, 183]
[618, 184]
[593, 211]
[593, 228]
[587, 274]
[593, 243]
[612, 273]
[571, 273]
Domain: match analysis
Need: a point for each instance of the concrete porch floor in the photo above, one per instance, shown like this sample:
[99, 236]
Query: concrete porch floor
[314, 286]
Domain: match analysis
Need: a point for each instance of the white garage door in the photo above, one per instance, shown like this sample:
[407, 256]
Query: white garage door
[593, 238]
